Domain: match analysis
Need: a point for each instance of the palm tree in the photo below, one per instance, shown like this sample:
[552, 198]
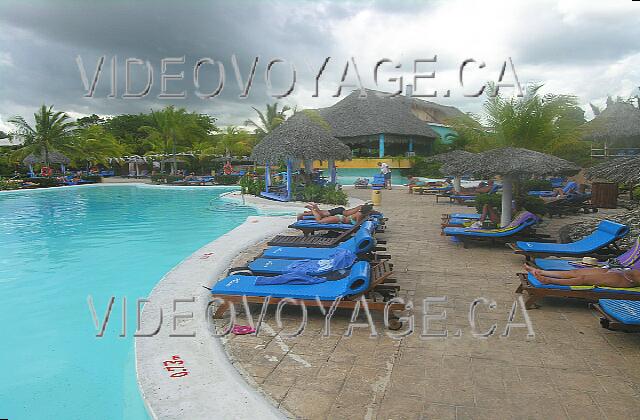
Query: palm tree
[52, 130]
[171, 126]
[235, 141]
[549, 123]
[94, 145]
[269, 120]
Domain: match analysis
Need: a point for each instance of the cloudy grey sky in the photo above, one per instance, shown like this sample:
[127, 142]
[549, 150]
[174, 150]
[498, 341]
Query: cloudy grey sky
[586, 48]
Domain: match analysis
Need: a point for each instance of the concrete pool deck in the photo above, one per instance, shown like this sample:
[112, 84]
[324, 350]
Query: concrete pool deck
[571, 369]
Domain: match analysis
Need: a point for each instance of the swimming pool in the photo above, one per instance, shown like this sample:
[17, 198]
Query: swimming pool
[347, 176]
[61, 245]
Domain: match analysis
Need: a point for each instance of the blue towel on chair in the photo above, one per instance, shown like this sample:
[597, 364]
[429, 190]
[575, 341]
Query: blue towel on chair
[340, 260]
[294, 277]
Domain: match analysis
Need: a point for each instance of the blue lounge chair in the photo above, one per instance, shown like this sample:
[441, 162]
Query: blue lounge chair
[619, 315]
[535, 290]
[357, 281]
[519, 227]
[631, 258]
[310, 226]
[317, 241]
[346, 292]
[471, 216]
[363, 242]
[601, 242]
[570, 188]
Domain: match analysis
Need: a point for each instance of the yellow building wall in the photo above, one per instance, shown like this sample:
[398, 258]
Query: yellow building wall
[396, 163]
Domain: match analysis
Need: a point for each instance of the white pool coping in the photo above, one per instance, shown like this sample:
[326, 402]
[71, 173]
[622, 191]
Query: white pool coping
[213, 388]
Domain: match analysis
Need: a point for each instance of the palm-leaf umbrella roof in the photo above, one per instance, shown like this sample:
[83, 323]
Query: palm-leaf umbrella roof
[377, 113]
[303, 136]
[619, 120]
[625, 170]
[451, 160]
[54, 157]
[511, 161]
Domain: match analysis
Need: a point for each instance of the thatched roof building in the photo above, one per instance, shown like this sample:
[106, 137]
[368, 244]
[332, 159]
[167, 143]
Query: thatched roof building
[620, 120]
[377, 113]
[304, 136]
[54, 157]
[625, 170]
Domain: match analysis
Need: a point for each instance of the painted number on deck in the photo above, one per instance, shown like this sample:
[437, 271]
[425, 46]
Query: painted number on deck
[176, 366]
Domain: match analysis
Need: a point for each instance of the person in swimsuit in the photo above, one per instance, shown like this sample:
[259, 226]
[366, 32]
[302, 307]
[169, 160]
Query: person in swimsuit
[607, 277]
[337, 211]
[353, 217]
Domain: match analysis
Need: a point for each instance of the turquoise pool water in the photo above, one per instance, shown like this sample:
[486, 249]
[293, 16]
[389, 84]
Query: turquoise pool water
[347, 176]
[61, 245]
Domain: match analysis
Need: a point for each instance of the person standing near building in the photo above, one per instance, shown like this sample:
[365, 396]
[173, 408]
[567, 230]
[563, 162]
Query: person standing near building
[385, 170]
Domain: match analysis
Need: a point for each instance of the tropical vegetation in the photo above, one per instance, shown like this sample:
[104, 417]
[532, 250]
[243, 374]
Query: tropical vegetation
[547, 123]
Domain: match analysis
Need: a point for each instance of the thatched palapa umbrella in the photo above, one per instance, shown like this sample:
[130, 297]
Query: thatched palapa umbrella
[305, 136]
[53, 157]
[620, 120]
[512, 163]
[625, 170]
[453, 157]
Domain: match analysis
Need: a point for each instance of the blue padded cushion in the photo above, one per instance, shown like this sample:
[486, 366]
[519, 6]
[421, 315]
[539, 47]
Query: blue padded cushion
[356, 282]
[480, 233]
[459, 222]
[625, 311]
[606, 233]
[465, 215]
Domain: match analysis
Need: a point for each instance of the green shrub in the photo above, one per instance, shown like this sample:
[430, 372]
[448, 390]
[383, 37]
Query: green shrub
[92, 178]
[165, 179]
[252, 185]
[536, 185]
[334, 196]
[635, 193]
[328, 194]
[9, 184]
[494, 200]
[423, 168]
[46, 182]
[225, 179]
[533, 204]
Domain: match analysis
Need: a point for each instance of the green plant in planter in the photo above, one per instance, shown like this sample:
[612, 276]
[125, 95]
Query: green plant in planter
[536, 185]
[225, 179]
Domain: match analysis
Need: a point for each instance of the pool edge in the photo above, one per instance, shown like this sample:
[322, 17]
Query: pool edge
[160, 395]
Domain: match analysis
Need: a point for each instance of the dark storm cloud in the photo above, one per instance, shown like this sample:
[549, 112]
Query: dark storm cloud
[43, 40]
[589, 40]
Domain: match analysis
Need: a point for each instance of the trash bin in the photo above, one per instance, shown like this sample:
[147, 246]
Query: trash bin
[604, 195]
[376, 196]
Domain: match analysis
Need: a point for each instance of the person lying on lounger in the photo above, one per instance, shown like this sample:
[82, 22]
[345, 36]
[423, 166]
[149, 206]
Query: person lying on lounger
[607, 277]
[332, 212]
[347, 216]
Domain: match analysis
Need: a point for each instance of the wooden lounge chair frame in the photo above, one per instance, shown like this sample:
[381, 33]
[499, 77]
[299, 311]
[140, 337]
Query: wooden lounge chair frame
[610, 323]
[381, 284]
[534, 294]
[610, 251]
